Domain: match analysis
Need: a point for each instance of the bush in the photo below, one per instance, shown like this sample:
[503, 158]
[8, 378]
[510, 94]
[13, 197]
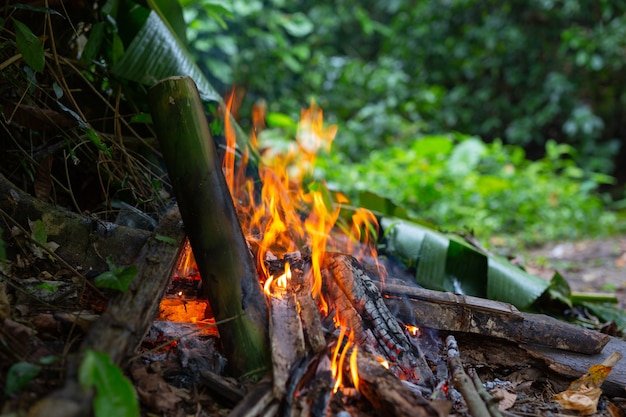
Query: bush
[460, 183]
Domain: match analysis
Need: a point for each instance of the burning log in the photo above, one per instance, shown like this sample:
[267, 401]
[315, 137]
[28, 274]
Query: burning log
[459, 313]
[360, 305]
[222, 255]
[387, 394]
[286, 335]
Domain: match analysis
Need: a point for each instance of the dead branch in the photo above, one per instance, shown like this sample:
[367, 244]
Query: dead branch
[387, 394]
[460, 313]
[463, 382]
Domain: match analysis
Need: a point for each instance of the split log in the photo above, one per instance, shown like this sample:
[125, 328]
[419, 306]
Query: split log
[286, 339]
[83, 241]
[224, 261]
[124, 324]
[460, 313]
[360, 306]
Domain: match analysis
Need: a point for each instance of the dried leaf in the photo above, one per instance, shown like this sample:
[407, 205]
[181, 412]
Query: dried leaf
[582, 394]
[585, 400]
[505, 397]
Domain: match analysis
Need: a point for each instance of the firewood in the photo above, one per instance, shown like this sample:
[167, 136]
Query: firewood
[311, 323]
[386, 393]
[258, 402]
[459, 313]
[286, 339]
[463, 382]
[360, 306]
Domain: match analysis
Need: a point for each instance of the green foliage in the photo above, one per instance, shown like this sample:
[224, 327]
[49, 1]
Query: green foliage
[115, 394]
[525, 72]
[458, 182]
[117, 277]
[446, 262]
[19, 375]
[29, 46]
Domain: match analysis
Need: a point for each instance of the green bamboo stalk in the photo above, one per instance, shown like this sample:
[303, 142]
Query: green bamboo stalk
[227, 269]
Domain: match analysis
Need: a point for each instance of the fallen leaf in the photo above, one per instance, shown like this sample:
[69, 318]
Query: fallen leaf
[506, 399]
[583, 394]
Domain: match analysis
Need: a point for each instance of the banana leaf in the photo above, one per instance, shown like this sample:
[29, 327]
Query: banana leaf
[446, 262]
[154, 51]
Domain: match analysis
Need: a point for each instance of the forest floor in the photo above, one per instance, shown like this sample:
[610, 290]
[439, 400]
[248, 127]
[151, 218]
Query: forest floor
[593, 265]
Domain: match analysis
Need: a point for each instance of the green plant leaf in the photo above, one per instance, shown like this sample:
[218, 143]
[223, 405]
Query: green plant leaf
[155, 54]
[116, 278]
[115, 394]
[96, 38]
[445, 262]
[19, 375]
[608, 312]
[165, 239]
[38, 232]
[29, 46]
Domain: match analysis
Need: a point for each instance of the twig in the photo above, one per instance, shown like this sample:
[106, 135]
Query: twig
[463, 382]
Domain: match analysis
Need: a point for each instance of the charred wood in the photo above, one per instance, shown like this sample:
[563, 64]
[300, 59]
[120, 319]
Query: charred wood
[286, 339]
[459, 313]
[360, 306]
[386, 393]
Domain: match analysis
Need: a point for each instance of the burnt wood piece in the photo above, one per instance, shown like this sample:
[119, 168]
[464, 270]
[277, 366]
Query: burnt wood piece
[259, 401]
[360, 306]
[121, 328]
[386, 393]
[286, 339]
[311, 322]
[459, 313]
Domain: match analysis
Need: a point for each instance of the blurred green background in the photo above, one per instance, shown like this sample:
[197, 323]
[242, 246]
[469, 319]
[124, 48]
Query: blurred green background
[502, 117]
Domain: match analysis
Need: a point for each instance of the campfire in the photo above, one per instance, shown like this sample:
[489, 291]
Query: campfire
[335, 344]
[331, 335]
[287, 294]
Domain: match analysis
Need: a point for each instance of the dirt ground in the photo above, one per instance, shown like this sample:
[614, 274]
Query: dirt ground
[588, 265]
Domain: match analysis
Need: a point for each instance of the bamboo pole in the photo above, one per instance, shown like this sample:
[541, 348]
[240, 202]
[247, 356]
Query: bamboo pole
[222, 255]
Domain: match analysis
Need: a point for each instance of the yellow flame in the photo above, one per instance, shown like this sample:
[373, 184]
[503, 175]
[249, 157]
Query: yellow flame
[280, 283]
[354, 370]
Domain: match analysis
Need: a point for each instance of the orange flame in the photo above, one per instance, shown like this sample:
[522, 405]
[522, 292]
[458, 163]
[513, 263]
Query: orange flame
[414, 330]
[338, 360]
[228, 164]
